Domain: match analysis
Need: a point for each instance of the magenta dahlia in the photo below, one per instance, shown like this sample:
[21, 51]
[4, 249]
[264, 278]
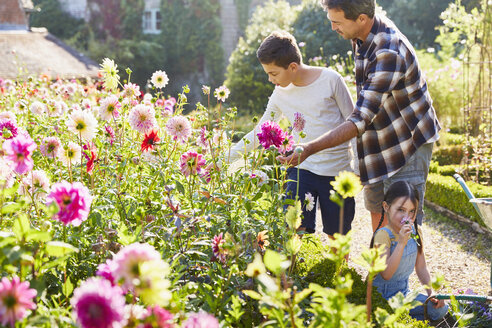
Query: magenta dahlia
[74, 202]
[271, 135]
[98, 304]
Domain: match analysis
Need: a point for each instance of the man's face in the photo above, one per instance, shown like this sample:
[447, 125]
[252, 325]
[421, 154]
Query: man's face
[278, 75]
[347, 28]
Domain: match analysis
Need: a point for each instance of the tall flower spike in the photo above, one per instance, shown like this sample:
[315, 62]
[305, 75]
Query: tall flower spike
[110, 74]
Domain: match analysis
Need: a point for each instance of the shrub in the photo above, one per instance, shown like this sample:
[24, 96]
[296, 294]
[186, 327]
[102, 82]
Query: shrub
[448, 155]
[446, 192]
[245, 77]
[58, 22]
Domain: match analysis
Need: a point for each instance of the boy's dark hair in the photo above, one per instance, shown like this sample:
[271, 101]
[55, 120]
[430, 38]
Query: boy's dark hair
[352, 9]
[279, 48]
[397, 190]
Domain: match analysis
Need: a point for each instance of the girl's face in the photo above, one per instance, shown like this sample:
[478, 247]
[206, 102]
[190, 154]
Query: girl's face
[401, 209]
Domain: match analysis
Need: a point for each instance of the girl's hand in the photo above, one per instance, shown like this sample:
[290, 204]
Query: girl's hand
[404, 234]
[437, 303]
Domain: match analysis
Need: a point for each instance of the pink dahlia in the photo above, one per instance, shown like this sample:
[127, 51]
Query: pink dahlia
[131, 90]
[299, 122]
[74, 202]
[109, 132]
[15, 298]
[271, 135]
[8, 128]
[36, 182]
[98, 304]
[219, 251]
[179, 127]
[202, 139]
[157, 317]
[201, 320]
[127, 261]
[109, 108]
[106, 270]
[142, 118]
[18, 150]
[287, 144]
[191, 163]
[50, 146]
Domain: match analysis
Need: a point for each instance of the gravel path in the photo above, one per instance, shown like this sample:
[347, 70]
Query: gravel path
[452, 249]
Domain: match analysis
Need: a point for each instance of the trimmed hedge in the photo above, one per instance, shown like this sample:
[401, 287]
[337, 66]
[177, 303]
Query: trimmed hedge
[446, 192]
[312, 267]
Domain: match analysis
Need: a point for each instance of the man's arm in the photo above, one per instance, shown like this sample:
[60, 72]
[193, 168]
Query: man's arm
[344, 132]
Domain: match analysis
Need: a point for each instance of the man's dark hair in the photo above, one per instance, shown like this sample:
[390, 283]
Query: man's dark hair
[352, 9]
[279, 48]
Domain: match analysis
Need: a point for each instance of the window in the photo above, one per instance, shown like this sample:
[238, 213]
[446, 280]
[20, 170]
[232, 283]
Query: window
[151, 21]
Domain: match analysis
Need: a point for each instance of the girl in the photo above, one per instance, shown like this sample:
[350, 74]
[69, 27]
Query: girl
[404, 249]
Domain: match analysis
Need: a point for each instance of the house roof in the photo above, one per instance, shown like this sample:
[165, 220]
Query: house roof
[39, 52]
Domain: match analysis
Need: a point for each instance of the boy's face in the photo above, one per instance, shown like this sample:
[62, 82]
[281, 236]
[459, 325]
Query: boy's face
[347, 28]
[278, 75]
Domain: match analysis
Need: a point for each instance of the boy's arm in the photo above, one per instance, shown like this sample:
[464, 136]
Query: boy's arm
[242, 147]
[343, 133]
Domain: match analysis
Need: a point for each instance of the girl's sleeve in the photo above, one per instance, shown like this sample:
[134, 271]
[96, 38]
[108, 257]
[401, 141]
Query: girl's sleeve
[272, 113]
[382, 238]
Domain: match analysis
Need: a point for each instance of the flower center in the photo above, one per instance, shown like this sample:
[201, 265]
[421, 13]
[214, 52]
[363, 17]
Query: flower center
[80, 126]
[94, 311]
[10, 301]
[66, 200]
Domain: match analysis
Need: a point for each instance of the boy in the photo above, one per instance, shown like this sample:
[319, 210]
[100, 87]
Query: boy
[321, 96]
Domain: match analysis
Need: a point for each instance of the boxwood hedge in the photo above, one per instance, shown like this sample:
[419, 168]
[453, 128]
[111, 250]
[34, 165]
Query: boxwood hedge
[446, 192]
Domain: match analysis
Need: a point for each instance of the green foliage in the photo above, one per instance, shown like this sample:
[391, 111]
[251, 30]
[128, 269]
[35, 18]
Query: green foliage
[444, 77]
[447, 155]
[245, 77]
[58, 22]
[312, 27]
[191, 35]
[446, 192]
[416, 19]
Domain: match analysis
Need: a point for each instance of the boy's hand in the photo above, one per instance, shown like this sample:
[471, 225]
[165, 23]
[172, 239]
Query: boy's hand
[293, 159]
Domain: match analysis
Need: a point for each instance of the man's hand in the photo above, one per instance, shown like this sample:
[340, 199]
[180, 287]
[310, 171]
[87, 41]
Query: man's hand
[297, 157]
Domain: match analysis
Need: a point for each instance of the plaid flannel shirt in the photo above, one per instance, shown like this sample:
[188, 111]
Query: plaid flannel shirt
[393, 114]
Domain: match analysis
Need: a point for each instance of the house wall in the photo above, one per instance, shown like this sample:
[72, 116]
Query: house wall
[12, 17]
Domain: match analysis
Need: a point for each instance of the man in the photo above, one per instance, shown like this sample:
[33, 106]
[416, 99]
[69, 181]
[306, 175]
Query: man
[393, 119]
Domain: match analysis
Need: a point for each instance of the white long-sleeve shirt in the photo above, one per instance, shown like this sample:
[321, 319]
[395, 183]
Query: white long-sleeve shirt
[325, 104]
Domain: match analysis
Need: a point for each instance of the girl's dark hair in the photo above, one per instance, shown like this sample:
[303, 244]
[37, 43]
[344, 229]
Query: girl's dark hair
[397, 190]
[279, 48]
[352, 9]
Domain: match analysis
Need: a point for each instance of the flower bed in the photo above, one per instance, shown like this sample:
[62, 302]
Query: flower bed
[114, 212]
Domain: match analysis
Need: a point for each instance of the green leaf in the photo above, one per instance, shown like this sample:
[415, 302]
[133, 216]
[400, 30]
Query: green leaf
[251, 293]
[126, 238]
[302, 295]
[21, 226]
[67, 287]
[34, 235]
[11, 208]
[275, 262]
[59, 248]
[180, 187]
